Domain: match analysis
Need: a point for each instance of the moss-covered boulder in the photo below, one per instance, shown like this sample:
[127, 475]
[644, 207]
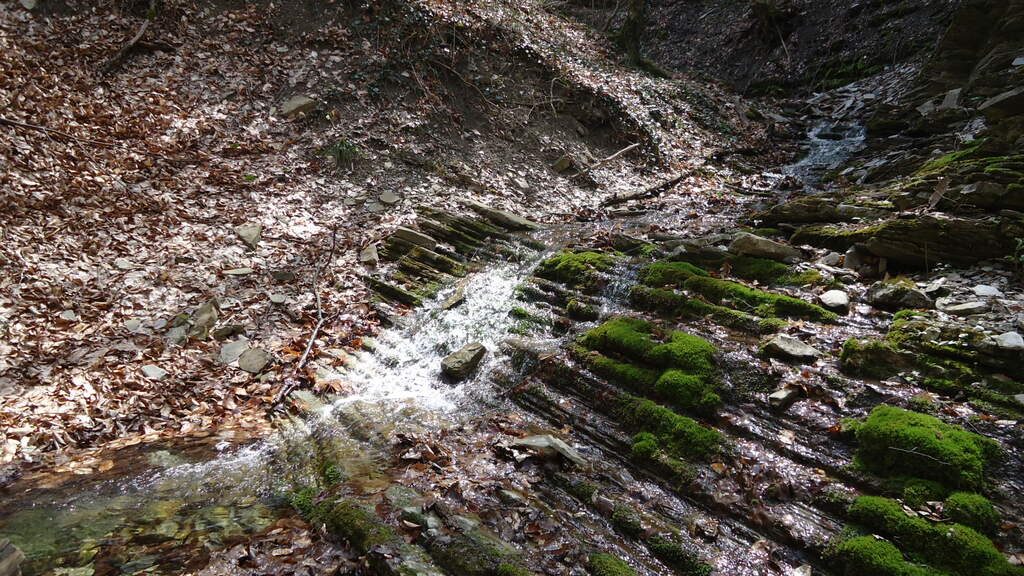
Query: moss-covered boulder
[894, 442]
[580, 270]
[764, 304]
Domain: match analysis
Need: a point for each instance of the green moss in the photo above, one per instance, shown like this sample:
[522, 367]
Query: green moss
[608, 565]
[917, 491]
[759, 269]
[576, 269]
[678, 436]
[506, 569]
[677, 557]
[807, 277]
[893, 441]
[870, 556]
[302, 499]
[627, 337]
[645, 446]
[627, 521]
[686, 391]
[972, 510]
[772, 325]
[353, 523]
[666, 273]
[686, 352]
[578, 310]
[759, 302]
[833, 237]
[953, 547]
[582, 490]
[767, 232]
[872, 358]
[939, 164]
[636, 378]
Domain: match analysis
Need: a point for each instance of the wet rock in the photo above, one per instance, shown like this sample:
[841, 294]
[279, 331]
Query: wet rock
[836, 301]
[986, 291]
[894, 295]
[203, 320]
[460, 364]
[789, 348]
[548, 445]
[963, 309]
[298, 104]
[784, 397]
[232, 351]
[254, 360]
[924, 240]
[746, 244]
[10, 558]
[455, 299]
[502, 218]
[368, 256]
[153, 372]
[1010, 341]
[415, 237]
[249, 234]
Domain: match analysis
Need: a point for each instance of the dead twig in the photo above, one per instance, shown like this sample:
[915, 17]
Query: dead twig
[319, 305]
[116, 60]
[603, 161]
[651, 192]
[916, 453]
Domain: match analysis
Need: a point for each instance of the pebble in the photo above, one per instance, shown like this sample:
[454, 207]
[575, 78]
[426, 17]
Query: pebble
[1010, 341]
[835, 300]
[966, 308]
[254, 360]
[153, 372]
[388, 197]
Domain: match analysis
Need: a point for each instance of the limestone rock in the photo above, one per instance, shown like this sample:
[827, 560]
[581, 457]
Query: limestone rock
[747, 244]
[254, 360]
[836, 301]
[368, 256]
[789, 348]
[233, 350]
[460, 364]
[244, 271]
[415, 237]
[897, 296]
[249, 234]
[547, 444]
[783, 397]
[177, 335]
[1010, 341]
[228, 331]
[985, 291]
[962, 309]
[153, 372]
[298, 104]
[1009, 103]
[455, 299]
[502, 218]
[203, 320]
[389, 198]
[933, 238]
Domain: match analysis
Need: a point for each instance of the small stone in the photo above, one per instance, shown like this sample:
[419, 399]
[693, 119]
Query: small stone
[153, 372]
[68, 316]
[562, 164]
[283, 276]
[836, 301]
[368, 256]
[783, 398]
[239, 271]
[895, 295]
[123, 264]
[966, 308]
[789, 348]
[225, 332]
[986, 291]
[254, 360]
[233, 350]
[458, 365]
[831, 259]
[546, 444]
[298, 104]
[249, 234]
[1010, 341]
[502, 218]
[747, 244]
[132, 325]
[374, 207]
[203, 320]
[389, 198]
[455, 299]
[936, 288]
[277, 298]
[177, 335]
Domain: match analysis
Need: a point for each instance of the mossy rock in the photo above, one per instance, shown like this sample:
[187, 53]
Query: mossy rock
[972, 510]
[894, 442]
[609, 565]
[660, 274]
[580, 270]
[682, 559]
[676, 435]
[833, 237]
[868, 555]
[761, 303]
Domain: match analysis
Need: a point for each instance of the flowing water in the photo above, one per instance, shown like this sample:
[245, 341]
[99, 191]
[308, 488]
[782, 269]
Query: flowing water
[830, 145]
[203, 503]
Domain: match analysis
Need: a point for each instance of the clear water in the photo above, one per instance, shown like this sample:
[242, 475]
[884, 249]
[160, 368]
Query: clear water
[830, 145]
[201, 505]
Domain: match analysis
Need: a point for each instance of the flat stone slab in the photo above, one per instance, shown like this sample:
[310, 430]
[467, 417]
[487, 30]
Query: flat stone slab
[746, 244]
[254, 360]
[789, 348]
[153, 372]
[502, 218]
[233, 350]
[460, 364]
[549, 445]
[414, 237]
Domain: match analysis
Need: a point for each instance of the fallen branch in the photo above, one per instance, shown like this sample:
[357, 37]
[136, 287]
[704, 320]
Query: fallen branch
[653, 191]
[610, 158]
[916, 453]
[45, 130]
[123, 52]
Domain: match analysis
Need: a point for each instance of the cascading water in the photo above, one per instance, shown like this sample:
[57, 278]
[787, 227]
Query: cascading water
[829, 146]
[399, 387]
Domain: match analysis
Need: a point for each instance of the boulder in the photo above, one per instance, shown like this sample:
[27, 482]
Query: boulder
[894, 295]
[249, 234]
[1010, 341]
[548, 445]
[836, 301]
[1003, 105]
[789, 348]
[784, 397]
[927, 240]
[502, 218]
[746, 244]
[297, 105]
[254, 360]
[368, 256]
[460, 364]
